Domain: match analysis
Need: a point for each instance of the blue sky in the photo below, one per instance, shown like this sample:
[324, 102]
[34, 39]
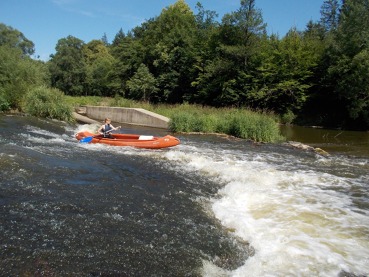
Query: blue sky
[44, 22]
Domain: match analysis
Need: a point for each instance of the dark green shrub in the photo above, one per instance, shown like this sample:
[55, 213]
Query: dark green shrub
[288, 117]
[4, 104]
[47, 102]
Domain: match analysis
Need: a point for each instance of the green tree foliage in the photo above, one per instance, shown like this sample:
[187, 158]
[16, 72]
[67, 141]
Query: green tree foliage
[11, 72]
[104, 40]
[205, 20]
[18, 72]
[330, 14]
[67, 67]
[15, 39]
[165, 45]
[287, 77]
[171, 43]
[226, 78]
[205, 53]
[119, 37]
[99, 65]
[142, 85]
[128, 54]
[348, 57]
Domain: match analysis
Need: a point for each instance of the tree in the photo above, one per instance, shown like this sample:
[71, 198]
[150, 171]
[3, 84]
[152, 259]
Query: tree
[226, 78]
[204, 51]
[166, 45]
[242, 30]
[99, 66]
[169, 40]
[104, 39]
[18, 72]
[285, 74]
[119, 37]
[142, 86]
[15, 39]
[128, 55]
[315, 108]
[348, 69]
[330, 15]
[205, 19]
[67, 67]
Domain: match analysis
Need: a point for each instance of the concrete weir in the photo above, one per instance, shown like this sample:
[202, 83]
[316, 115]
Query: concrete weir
[132, 116]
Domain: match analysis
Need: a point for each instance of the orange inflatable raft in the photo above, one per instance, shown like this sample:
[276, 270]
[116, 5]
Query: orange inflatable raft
[139, 141]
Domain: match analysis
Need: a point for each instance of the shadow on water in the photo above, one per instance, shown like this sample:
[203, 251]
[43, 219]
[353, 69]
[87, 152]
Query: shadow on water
[67, 211]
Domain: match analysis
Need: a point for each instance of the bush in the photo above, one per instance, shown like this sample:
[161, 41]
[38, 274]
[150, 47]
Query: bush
[4, 104]
[18, 74]
[288, 117]
[47, 102]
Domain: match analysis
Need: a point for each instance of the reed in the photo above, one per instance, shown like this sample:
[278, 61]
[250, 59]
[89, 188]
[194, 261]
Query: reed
[239, 123]
[48, 103]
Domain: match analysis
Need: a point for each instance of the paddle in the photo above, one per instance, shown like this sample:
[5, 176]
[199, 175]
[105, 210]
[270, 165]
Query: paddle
[87, 139]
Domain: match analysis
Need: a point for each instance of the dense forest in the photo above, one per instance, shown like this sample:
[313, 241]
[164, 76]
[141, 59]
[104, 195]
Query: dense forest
[316, 76]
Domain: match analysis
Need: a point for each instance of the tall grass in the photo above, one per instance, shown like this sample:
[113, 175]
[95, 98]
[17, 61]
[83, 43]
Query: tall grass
[77, 101]
[241, 123]
[47, 102]
[236, 122]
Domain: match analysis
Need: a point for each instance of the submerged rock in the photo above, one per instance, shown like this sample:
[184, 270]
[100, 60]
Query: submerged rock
[305, 147]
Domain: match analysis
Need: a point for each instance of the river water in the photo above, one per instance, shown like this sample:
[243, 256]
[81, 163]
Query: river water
[211, 206]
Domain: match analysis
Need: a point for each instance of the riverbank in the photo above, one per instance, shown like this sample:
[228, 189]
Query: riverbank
[115, 114]
[238, 122]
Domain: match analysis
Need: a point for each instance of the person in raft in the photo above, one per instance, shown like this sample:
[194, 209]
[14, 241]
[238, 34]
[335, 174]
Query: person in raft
[107, 128]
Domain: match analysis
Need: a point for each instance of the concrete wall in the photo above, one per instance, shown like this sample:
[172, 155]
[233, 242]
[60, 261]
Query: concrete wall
[128, 116]
[84, 119]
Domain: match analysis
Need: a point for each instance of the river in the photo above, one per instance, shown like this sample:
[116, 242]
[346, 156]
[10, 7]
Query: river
[212, 206]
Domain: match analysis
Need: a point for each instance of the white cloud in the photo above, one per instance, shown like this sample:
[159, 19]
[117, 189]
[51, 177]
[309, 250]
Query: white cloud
[73, 6]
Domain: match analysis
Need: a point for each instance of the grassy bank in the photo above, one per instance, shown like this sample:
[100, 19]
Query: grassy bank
[241, 123]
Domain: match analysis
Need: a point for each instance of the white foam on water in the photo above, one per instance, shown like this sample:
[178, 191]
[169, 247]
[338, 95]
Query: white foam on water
[42, 136]
[59, 140]
[92, 128]
[39, 131]
[297, 221]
